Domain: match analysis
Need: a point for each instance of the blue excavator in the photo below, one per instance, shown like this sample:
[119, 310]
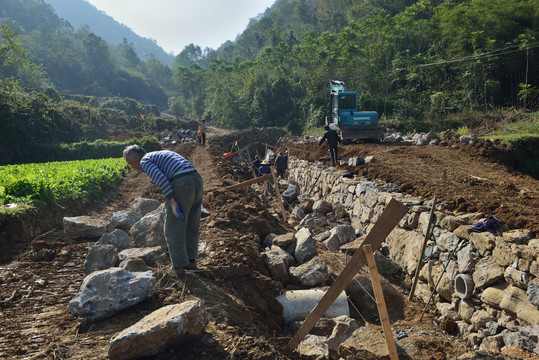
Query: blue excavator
[344, 117]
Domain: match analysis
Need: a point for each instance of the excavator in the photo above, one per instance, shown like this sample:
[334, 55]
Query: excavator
[344, 117]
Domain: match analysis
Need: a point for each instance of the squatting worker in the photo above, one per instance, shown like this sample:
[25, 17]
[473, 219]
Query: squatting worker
[333, 138]
[182, 186]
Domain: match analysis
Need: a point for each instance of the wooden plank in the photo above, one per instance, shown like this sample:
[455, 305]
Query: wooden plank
[242, 149]
[283, 211]
[249, 182]
[380, 302]
[385, 224]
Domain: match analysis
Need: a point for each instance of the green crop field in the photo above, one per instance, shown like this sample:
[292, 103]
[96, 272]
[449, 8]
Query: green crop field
[38, 183]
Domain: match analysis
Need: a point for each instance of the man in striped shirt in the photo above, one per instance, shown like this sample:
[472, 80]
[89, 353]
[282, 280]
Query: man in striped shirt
[182, 186]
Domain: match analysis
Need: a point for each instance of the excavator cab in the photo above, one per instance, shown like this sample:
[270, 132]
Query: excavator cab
[344, 117]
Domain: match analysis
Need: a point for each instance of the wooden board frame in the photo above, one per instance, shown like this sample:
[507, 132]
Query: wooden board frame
[391, 216]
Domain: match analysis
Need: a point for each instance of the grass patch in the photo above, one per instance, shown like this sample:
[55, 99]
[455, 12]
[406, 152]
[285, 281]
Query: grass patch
[522, 136]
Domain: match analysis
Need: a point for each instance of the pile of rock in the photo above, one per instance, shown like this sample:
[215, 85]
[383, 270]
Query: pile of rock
[177, 137]
[120, 276]
[487, 285]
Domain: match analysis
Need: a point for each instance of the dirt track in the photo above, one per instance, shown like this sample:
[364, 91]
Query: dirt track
[36, 288]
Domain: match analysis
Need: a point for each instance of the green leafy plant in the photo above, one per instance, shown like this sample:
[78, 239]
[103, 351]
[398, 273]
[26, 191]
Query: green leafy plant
[39, 183]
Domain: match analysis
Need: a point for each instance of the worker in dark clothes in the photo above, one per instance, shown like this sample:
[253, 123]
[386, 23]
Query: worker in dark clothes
[280, 165]
[333, 139]
[265, 168]
[257, 164]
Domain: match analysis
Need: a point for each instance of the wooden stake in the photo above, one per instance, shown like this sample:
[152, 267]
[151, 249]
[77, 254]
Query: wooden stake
[380, 302]
[430, 227]
[283, 211]
[385, 224]
[251, 163]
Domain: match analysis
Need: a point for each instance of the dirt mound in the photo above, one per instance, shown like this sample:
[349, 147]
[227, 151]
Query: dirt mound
[247, 137]
[494, 152]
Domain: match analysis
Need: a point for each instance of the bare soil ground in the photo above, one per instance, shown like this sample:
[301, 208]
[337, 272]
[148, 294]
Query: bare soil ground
[477, 177]
[36, 287]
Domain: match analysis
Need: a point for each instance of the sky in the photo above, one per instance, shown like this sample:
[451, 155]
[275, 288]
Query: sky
[173, 24]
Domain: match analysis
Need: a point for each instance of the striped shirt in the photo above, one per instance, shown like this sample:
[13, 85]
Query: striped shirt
[161, 165]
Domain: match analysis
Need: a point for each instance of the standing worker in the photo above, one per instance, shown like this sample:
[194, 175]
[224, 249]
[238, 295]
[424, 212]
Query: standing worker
[256, 164]
[333, 138]
[182, 186]
[202, 130]
[280, 165]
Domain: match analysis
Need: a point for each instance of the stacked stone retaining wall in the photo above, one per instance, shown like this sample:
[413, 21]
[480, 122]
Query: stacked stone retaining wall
[497, 296]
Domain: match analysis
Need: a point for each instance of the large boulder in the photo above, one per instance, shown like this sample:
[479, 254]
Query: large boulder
[483, 241]
[366, 343]
[149, 254]
[283, 240]
[86, 227]
[467, 258]
[100, 257]
[277, 264]
[404, 247]
[322, 206]
[103, 293]
[343, 329]
[291, 193]
[517, 236]
[513, 300]
[361, 294]
[124, 219]
[314, 347]
[144, 206]
[487, 272]
[529, 338]
[148, 231]
[305, 248]
[117, 238]
[311, 274]
[170, 325]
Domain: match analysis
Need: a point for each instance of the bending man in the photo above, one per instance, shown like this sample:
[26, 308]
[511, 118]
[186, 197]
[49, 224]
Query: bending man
[182, 186]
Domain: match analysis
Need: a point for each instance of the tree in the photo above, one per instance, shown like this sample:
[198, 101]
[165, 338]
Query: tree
[15, 65]
[128, 54]
[191, 54]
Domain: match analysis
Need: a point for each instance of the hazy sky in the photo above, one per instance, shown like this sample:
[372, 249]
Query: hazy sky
[177, 23]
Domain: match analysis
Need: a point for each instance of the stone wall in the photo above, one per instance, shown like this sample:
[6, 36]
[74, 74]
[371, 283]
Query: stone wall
[496, 297]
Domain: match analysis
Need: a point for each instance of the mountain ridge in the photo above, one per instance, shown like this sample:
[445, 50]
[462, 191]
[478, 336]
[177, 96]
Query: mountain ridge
[80, 12]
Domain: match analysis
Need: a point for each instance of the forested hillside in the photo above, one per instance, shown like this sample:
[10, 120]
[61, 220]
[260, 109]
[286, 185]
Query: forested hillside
[79, 61]
[407, 59]
[421, 65]
[79, 12]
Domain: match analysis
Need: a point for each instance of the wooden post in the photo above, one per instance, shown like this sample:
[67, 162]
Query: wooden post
[391, 216]
[423, 247]
[380, 302]
[283, 211]
[251, 163]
